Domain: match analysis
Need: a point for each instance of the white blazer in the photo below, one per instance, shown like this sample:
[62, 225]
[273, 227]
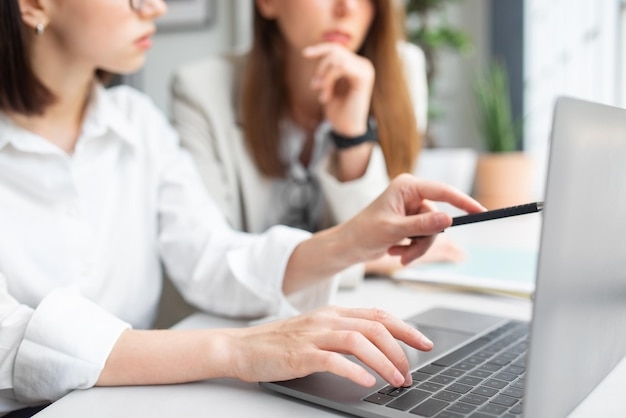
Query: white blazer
[205, 113]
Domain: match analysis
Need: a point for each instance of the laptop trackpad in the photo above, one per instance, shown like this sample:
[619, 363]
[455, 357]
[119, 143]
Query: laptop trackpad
[444, 340]
[446, 328]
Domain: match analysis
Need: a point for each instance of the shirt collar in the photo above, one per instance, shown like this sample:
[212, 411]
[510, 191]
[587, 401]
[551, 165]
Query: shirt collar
[22, 139]
[6, 130]
[102, 115]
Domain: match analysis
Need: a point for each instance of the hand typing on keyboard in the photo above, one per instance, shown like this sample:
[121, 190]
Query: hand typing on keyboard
[482, 379]
[315, 342]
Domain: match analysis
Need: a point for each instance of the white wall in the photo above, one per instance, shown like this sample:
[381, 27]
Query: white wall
[571, 49]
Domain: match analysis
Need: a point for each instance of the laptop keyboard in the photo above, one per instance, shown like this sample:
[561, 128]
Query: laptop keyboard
[482, 379]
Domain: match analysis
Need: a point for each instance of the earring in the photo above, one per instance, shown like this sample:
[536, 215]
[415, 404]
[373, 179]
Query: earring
[40, 29]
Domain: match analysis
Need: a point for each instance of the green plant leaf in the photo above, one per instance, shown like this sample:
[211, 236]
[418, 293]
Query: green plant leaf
[495, 120]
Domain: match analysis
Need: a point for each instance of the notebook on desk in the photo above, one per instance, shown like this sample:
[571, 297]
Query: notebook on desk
[486, 366]
[485, 268]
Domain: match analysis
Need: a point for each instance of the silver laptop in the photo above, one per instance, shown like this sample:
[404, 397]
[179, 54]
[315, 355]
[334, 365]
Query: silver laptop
[485, 366]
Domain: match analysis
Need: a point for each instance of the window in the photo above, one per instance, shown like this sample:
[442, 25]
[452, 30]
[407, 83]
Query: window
[571, 48]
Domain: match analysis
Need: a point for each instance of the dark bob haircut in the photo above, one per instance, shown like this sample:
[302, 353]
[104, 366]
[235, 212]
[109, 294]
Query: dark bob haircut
[20, 89]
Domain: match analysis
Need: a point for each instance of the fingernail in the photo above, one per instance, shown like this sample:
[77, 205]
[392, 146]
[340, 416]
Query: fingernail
[398, 379]
[408, 379]
[426, 341]
[369, 380]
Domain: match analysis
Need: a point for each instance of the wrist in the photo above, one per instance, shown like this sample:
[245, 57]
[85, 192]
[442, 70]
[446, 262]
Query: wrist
[219, 353]
[345, 240]
[352, 163]
[343, 142]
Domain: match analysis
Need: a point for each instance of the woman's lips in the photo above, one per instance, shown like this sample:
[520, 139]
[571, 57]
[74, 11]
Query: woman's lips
[337, 37]
[145, 42]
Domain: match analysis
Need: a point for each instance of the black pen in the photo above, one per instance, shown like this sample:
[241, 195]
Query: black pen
[498, 213]
[495, 214]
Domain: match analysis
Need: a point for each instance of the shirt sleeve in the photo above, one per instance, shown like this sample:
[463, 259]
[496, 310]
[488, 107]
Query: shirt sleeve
[49, 351]
[14, 318]
[346, 199]
[216, 268]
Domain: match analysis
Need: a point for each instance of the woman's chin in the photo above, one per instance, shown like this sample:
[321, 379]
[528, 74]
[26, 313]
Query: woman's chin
[128, 67]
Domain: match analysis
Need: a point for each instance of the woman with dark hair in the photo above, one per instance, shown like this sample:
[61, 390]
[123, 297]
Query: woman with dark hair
[97, 195]
[307, 127]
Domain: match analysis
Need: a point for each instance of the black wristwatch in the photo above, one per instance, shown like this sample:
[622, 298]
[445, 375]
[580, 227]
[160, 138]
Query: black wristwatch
[344, 142]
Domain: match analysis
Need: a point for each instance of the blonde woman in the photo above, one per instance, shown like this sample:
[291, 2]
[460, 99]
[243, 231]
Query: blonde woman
[307, 127]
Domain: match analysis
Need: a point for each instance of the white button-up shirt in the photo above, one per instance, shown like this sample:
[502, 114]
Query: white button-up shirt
[83, 237]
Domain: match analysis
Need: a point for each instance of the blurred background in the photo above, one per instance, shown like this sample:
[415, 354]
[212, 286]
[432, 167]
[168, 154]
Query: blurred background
[495, 70]
[543, 49]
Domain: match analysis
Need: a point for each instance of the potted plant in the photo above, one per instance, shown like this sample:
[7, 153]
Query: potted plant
[503, 171]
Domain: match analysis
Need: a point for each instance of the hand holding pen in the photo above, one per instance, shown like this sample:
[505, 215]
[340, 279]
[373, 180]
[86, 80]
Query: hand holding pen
[495, 214]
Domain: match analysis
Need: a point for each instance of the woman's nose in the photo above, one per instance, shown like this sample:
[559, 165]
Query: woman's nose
[153, 9]
[343, 7]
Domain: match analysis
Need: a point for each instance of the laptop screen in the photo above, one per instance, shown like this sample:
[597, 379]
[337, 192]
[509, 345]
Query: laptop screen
[579, 330]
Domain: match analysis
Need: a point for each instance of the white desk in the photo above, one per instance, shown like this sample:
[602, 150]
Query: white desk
[223, 397]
